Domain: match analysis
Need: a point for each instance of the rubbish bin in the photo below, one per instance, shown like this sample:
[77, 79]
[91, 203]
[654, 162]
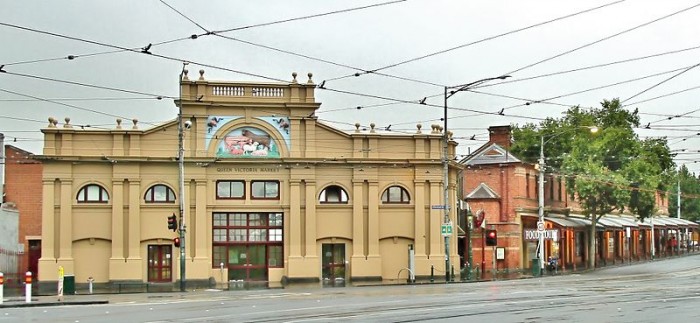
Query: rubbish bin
[69, 285]
[536, 271]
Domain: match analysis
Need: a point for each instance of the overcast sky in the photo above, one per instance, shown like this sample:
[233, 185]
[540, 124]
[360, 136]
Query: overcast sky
[414, 47]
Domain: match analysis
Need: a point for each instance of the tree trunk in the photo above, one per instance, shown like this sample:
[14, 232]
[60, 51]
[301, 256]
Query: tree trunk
[591, 241]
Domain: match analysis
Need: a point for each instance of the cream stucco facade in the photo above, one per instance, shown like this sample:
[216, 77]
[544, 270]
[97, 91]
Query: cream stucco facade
[270, 192]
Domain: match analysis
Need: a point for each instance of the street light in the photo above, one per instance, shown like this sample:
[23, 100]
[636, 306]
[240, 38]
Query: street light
[449, 92]
[540, 195]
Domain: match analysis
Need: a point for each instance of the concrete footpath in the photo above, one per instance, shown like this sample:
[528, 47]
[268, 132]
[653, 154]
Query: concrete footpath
[94, 299]
[36, 301]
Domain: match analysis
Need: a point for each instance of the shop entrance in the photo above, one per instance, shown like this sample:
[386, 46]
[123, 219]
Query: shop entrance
[333, 263]
[247, 262]
[160, 263]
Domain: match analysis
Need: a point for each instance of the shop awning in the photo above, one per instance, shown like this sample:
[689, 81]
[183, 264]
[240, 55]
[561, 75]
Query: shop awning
[623, 221]
[565, 222]
[609, 223]
[665, 221]
[581, 219]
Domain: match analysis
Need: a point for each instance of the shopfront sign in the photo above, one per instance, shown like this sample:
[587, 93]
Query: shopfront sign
[534, 235]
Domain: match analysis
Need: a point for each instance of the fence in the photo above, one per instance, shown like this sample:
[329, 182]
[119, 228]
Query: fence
[9, 266]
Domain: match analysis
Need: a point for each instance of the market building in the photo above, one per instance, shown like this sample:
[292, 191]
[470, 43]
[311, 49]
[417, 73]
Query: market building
[271, 193]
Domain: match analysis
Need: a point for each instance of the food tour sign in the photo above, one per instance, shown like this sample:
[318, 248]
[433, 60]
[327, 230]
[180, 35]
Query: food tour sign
[533, 234]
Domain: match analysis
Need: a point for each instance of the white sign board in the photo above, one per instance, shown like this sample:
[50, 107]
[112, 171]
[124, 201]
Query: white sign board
[535, 235]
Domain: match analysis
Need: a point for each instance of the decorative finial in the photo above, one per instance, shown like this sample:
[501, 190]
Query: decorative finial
[51, 122]
[201, 75]
[294, 77]
[55, 122]
[67, 124]
[371, 125]
[449, 135]
[119, 123]
[357, 127]
[419, 126]
[184, 75]
[310, 81]
[135, 121]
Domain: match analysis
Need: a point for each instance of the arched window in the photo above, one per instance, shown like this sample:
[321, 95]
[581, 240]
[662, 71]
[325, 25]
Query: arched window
[395, 194]
[333, 194]
[92, 193]
[159, 193]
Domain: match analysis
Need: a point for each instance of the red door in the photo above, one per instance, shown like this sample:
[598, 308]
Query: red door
[160, 263]
[34, 255]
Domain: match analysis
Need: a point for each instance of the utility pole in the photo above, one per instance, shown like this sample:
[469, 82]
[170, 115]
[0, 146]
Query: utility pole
[540, 206]
[181, 180]
[446, 205]
[446, 161]
[678, 236]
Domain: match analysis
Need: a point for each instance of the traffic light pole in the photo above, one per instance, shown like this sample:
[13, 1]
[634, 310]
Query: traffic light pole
[181, 180]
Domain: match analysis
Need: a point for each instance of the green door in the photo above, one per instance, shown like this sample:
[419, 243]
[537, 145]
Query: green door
[247, 262]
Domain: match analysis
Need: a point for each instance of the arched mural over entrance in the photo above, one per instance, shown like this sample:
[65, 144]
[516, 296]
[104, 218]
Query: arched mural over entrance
[248, 141]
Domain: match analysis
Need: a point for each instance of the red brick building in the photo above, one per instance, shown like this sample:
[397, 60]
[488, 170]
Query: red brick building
[502, 190]
[23, 187]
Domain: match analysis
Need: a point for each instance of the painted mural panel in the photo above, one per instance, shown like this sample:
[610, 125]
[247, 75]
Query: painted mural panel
[247, 141]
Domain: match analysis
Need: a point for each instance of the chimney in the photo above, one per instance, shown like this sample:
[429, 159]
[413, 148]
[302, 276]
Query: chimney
[500, 135]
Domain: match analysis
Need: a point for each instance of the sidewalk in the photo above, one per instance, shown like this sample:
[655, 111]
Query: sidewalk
[10, 302]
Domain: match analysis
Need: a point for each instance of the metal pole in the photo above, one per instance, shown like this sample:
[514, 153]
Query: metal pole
[678, 232]
[653, 248]
[181, 180]
[540, 204]
[445, 162]
[469, 247]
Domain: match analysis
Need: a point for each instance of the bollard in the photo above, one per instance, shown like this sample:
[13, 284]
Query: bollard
[432, 274]
[90, 280]
[28, 287]
[2, 282]
[452, 275]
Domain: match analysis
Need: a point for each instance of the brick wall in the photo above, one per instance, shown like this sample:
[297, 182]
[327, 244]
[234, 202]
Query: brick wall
[23, 186]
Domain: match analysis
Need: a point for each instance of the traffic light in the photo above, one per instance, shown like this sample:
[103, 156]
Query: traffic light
[491, 238]
[176, 242]
[172, 223]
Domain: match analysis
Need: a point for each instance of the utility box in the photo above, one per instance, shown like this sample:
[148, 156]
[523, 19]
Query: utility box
[536, 270]
[69, 285]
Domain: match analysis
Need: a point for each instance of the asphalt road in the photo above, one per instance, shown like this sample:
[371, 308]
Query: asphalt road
[658, 291]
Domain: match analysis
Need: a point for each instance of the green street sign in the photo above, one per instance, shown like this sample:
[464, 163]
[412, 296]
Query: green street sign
[446, 229]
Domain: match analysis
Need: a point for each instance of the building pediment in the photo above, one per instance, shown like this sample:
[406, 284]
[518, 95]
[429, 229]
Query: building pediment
[482, 191]
[490, 154]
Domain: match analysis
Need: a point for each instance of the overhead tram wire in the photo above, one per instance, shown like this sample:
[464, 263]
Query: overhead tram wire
[664, 95]
[547, 100]
[426, 104]
[373, 71]
[515, 80]
[310, 16]
[140, 51]
[85, 99]
[156, 96]
[662, 82]
[196, 36]
[64, 104]
[602, 39]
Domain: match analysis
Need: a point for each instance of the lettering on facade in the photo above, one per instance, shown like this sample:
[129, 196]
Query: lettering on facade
[247, 170]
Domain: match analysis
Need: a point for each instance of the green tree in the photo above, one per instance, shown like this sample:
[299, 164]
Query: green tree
[690, 195]
[610, 171]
